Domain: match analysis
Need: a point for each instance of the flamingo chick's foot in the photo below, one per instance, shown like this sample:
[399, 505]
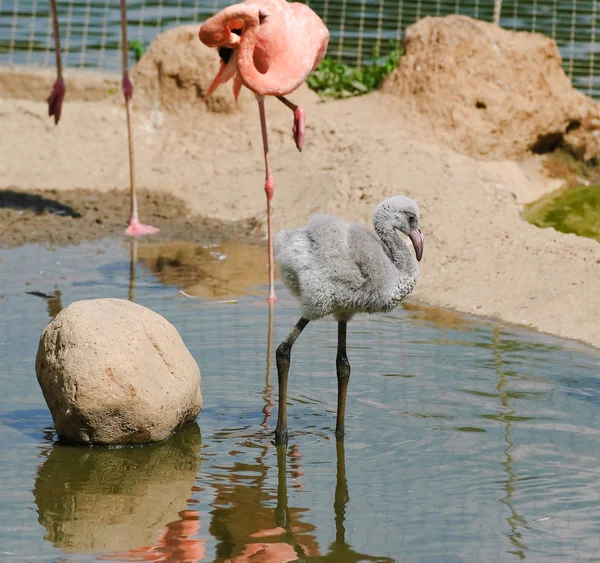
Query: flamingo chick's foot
[137, 229]
[299, 127]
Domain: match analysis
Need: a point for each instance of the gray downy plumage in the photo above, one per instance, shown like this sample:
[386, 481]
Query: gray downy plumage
[341, 269]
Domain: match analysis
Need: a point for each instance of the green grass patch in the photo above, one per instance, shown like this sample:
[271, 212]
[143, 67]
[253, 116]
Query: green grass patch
[138, 48]
[571, 210]
[332, 79]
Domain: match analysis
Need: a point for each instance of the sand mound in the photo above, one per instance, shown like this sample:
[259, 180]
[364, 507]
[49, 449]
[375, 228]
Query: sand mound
[494, 93]
[177, 70]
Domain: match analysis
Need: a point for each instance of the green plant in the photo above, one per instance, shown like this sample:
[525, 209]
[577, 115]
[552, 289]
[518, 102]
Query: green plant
[137, 47]
[337, 80]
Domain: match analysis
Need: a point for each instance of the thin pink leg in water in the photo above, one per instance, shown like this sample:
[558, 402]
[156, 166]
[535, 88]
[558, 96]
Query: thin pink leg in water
[135, 228]
[269, 191]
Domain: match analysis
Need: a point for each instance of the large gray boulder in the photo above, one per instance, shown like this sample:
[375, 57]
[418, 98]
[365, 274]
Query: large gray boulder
[113, 372]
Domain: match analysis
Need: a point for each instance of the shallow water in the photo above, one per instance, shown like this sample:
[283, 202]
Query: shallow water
[466, 440]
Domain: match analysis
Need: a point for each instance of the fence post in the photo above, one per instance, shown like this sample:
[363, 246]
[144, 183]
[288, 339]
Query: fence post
[497, 10]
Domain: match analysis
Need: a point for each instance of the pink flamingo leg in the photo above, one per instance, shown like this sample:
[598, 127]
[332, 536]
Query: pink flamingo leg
[55, 100]
[299, 122]
[269, 191]
[135, 228]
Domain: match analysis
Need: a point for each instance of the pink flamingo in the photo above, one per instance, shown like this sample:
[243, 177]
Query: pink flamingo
[269, 46]
[55, 101]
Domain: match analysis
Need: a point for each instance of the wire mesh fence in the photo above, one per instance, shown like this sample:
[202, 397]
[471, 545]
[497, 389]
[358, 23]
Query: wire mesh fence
[360, 29]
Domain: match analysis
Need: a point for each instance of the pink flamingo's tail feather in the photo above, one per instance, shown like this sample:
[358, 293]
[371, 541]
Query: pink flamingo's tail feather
[237, 86]
[226, 71]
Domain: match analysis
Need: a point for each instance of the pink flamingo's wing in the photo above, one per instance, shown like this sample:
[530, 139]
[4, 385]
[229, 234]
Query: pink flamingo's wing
[314, 33]
[290, 43]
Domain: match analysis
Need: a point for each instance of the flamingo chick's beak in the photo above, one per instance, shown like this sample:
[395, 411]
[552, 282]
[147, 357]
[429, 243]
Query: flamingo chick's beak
[416, 237]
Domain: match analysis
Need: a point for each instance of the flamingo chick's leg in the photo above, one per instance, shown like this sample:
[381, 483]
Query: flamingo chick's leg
[282, 513]
[269, 190]
[341, 497]
[56, 97]
[134, 228]
[299, 121]
[343, 376]
[283, 356]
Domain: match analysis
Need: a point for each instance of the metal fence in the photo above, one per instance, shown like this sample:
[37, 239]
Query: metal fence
[359, 28]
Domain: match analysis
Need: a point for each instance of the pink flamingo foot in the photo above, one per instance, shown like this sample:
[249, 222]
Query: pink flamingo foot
[299, 127]
[271, 299]
[137, 229]
[55, 99]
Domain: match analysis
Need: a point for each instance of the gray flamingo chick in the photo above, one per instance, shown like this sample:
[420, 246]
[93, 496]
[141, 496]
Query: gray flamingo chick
[341, 269]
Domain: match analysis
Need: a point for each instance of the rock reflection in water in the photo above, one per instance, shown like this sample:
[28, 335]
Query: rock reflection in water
[107, 500]
[220, 271]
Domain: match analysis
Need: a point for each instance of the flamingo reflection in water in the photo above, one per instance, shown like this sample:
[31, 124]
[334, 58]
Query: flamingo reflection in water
[242, 520]
[175, 544]
[247, 529]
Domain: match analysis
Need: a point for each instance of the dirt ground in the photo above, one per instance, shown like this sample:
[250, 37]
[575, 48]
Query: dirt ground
[71, 216]
[480, 256]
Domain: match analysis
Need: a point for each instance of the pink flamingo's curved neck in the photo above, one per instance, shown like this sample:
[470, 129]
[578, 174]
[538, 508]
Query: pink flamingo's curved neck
[216, 32]
[268, 84]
